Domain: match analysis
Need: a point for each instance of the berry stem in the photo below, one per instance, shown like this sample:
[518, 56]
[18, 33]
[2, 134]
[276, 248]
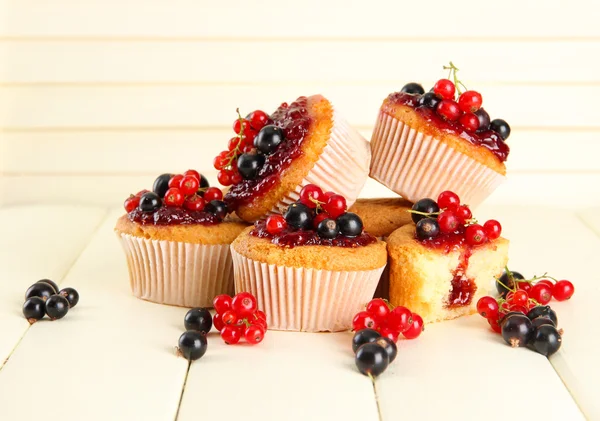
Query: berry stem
[453, 74]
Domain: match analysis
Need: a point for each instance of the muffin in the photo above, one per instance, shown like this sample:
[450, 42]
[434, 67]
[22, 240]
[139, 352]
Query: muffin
[310, 270]
[425, 143]
[176, 240]
[274, 156]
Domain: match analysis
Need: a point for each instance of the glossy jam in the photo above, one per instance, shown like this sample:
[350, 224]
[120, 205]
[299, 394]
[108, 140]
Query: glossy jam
[488, 139]
[295, 122]
[172, 216]
[290, 238]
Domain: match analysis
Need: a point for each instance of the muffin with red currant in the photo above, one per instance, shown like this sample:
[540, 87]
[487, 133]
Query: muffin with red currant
[273, 156]
[443, 265]
[311, 269]
[176, 239]
[425, 143]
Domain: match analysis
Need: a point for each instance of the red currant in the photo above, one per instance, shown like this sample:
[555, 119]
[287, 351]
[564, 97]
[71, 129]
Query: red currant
[563, 290]
[213, 193]
[525, 286]
[258, 119]
[141, 193]
[236, 178]
[399, 319]
[415, 328]
[495, 325]
[244, 304]
[470, 101]
[378, 308]
[488, 307]
[261, 315]
[444, 88]
[230, 317]
[194, 173]
[448, 222]
[275, 224]
[260, 322]
[469, 121]
[233, 143]
[448, 200]
[475, 235]
[363, 320]
[547, 282]
[220, 161]
[231, 334]
[173, 197]
[189, 185]
[326, 196]
[222, 303]
[238, 125]
[131, 203]
[463, 213]
[493, 229]
[320, 218]
[519, 298]
[449, 110]
[335, 205]
[310, 195]
[194, 203]
[224, 178]
[217, 322]
[541, 293]
[254, 334]
[391, 334]
[175, 181]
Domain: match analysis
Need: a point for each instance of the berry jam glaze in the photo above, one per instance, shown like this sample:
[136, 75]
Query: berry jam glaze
[488, 139]
[172, 216]
[293, 238]
[295, 122]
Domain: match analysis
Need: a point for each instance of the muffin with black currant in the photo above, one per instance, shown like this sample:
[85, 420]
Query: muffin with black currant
[176, 239]
[273, 156]
[428, 142]
[312, 268]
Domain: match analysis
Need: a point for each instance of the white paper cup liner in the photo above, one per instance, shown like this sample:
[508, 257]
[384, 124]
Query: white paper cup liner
[416, 165]
[303, 299]
[343, 166]
[175, 273]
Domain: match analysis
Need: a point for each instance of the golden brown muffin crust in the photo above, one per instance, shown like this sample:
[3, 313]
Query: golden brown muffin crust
[382, 216]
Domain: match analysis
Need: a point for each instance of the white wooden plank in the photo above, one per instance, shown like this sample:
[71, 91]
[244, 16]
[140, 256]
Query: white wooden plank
[36, 242]
[291, 376]
[115, 352]
[350, 61]
[311, 18]
[214, 105]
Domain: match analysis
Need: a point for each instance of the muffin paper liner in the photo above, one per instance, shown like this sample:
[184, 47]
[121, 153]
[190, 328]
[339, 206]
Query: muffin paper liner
[175, 273]
[343, 166]
[303, 299]
[416, 165]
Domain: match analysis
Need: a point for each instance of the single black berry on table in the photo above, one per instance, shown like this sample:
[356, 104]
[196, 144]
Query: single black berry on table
[249, 164]
[34, 309]
[49, 282]
[364, 336]
[328, 228]
[268, 139]
[192, 345]
[546, 340]
[350, 224]
[40, 289]
[427, 229]
[298, 216]
[429, 100]
[424, 206]
[541, 321]
[218, 208]
[501, 127]
[198, 319]
[517, 330]
[484, 119]
[543, 311]
[161, 185]
[506, 282]
[371, 359]
[413, 88]
[149, 202]
[71, 295]
[57, 307]
[390, 347]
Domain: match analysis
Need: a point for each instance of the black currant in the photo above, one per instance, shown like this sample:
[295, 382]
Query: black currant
[424, 206]
[543, 311]
[506, 282]
[249, 164]
[161, 185]
[49, 282]
[371, 359]
[268, 139]
[328, 228]
[501, 127]
[484, 119]
[510, 314]
[299, 216]
[192, 345]
[57, 307]
[204, 184]
[542, 320]
[71, 295]
[546, 340]
[364, 336]
[198, 319]
[40, 289]
[427, 229]
[149, 202]
[34, 309]
[350, 224]
[517, 330]
[218, 208]
[390, 347]
[413, 88]
[429, 100]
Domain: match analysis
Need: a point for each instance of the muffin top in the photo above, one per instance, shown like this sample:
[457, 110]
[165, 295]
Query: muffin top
[383, 216]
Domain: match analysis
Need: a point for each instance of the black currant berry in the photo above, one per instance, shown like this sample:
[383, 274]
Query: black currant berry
[390, 347]
[149, 202]
[249, 164]
[40, 289]
[507, 280]
[424, 206]
[484, 119]
[546, 340]
[57, 307]
[204, 184]
[364, 336]
[543, 311]
[268, 139]
[71, 295]
[218, 208]
[192, 345]
[429, 100]
[413, 88]
[501, 127]
[350, 224]
[298, 216]
[34, 309]
[49, 282]
[541, 321]
[328, 228]
[427, 229]
[371, 359]
[161, 185]
[198, 319]
[510, 314]
[517, 330]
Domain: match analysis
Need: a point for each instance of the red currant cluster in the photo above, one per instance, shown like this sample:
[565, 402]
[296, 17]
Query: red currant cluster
[389, 321]
[246, 130]
[239, 317]
[448, 216]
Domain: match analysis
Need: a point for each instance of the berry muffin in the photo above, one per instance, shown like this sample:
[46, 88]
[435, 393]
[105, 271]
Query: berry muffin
[425, 143]
[274, 156]
[177, 240]
[311, 269]
[442, 266]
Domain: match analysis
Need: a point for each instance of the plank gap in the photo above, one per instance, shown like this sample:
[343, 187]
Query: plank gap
[187, 372]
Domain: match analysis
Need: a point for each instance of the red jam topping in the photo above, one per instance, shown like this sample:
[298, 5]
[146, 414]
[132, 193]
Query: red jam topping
[295, 122]
[172, 216]
[488, 139]
[292, 238]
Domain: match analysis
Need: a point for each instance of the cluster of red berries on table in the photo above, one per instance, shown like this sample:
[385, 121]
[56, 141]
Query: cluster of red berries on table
[239, 317]
[448, 216]
[324, 212]
[255, 138]
[450, 102]
[44, 298]
[388, 320]
[373, 353]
